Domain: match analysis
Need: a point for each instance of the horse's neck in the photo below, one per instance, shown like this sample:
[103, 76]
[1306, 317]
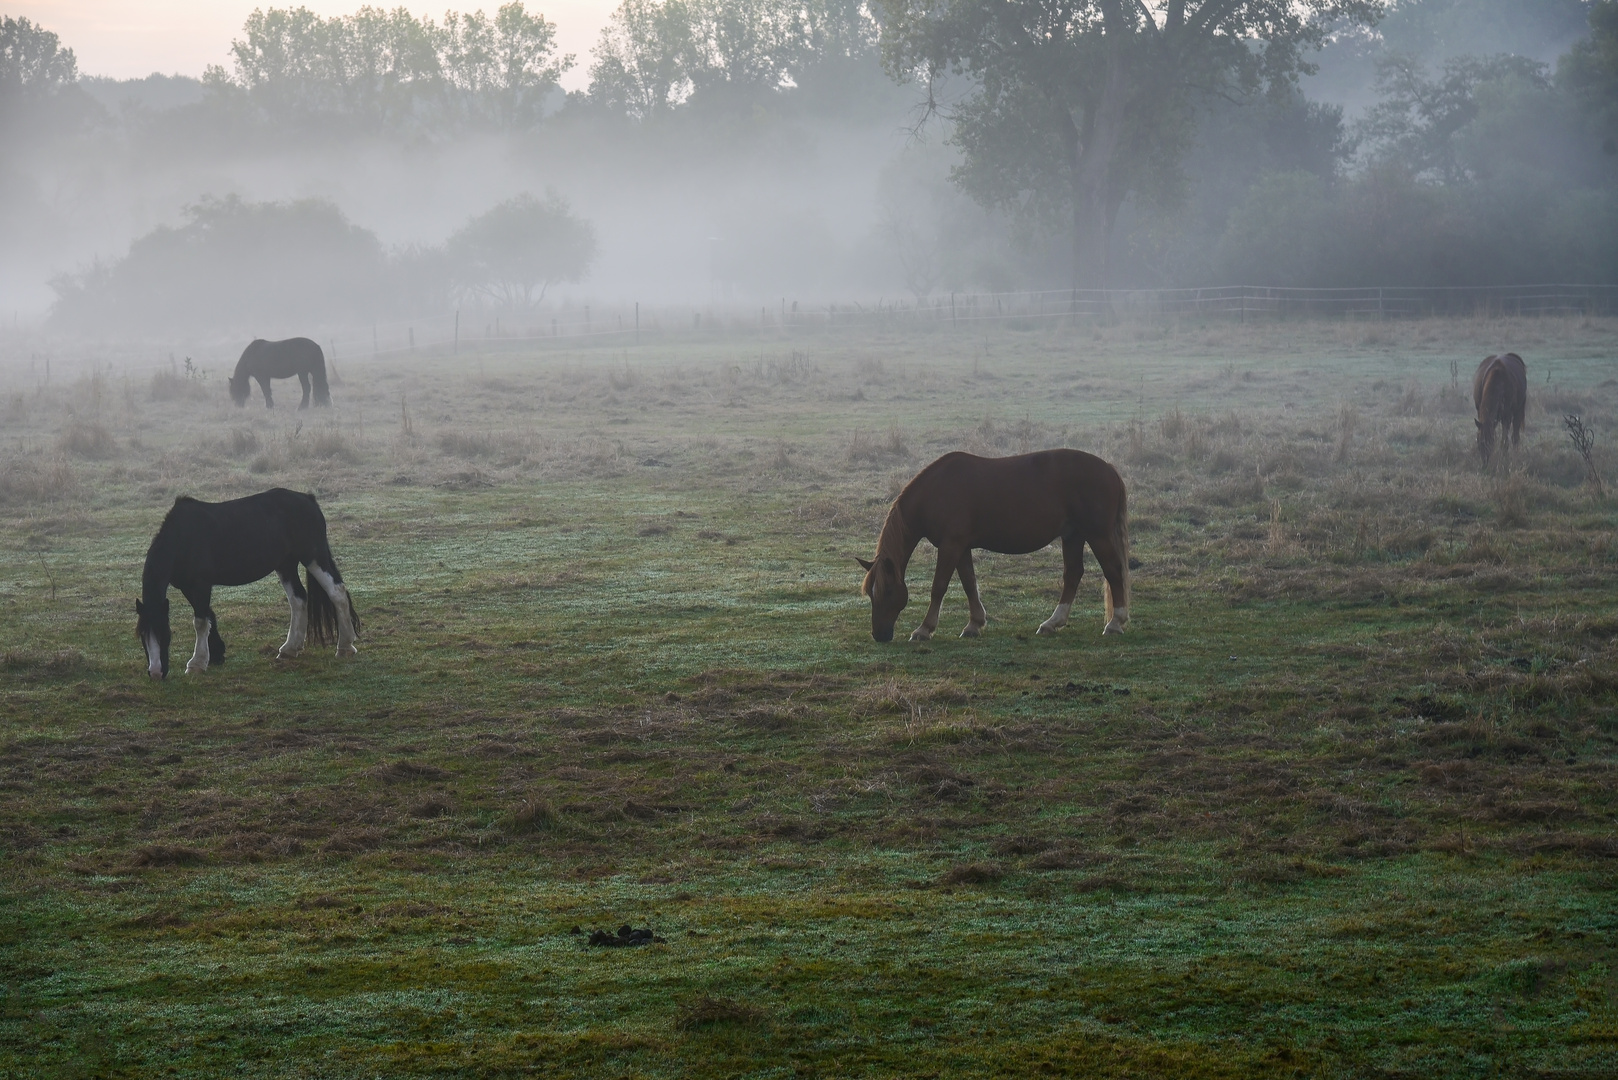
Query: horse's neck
[159, 569]
[899, 538]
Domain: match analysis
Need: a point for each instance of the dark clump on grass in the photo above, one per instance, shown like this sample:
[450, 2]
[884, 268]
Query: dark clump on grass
[1063, 857]
[399, 772]
[977, 873]
[1113, 883]
[627, 937]
[159, 919]
[711, 1012]
[158, 855]
[430, 808]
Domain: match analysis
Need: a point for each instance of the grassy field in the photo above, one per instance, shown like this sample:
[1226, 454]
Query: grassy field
[1341, 802]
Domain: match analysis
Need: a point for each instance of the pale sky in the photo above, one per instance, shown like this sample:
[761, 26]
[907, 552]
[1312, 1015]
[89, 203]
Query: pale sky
[133, 38]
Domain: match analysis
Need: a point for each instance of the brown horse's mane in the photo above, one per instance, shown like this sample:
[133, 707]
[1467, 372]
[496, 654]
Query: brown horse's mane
[894, 541]
[894, 538]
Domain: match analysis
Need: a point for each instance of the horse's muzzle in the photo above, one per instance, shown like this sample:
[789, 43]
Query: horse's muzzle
[883, 635]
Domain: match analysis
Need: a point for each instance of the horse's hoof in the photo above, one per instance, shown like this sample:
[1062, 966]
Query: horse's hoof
[347, 650]
[1111, 628]
[918, 634]
[287, 654]
[971, 631]
[1048, 629]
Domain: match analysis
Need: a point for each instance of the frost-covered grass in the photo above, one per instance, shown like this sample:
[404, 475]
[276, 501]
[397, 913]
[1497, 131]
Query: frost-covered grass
[1340, 802]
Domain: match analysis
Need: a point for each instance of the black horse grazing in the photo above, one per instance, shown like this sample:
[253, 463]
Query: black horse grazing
[236, 543]
[266, 360]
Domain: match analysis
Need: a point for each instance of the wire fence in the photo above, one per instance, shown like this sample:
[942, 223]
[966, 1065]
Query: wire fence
[571, 325]
[574, 325]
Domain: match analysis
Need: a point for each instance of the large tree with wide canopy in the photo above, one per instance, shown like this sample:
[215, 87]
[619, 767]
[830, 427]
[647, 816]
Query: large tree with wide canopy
[1074, 105]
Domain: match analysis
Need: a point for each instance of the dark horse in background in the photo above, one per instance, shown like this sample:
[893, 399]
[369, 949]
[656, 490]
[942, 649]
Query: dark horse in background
[201, 545]
[1500, 392]
[1010, 505]
[266, 360]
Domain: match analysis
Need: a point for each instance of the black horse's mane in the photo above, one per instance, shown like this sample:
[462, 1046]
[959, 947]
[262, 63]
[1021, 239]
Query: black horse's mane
[178, 502]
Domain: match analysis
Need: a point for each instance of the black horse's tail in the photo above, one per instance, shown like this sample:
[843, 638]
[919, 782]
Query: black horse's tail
[317, 373]
[322, 612]
[323, 620]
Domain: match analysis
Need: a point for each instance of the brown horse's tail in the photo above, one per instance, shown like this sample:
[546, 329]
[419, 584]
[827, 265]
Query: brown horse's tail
[1118, 606]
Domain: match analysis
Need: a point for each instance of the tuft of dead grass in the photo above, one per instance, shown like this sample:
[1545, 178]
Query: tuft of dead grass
[29, 661]
[26, 480]
[88, 440]
[867, 449]
[711, 1012]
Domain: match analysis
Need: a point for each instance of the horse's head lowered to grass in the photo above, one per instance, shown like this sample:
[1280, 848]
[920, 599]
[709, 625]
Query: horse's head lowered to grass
[239, 389]
[885, 585]
[152, 628]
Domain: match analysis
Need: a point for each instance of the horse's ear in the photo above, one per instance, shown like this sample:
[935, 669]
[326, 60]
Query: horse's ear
[862, 562]
[1476, 422]
[138, 609]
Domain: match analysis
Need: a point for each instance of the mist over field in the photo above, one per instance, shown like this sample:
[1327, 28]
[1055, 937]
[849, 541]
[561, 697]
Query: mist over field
[748, 152]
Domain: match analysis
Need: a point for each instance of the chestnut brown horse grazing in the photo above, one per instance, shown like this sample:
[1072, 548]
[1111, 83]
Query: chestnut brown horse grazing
[1010, 505]
[1500, 392]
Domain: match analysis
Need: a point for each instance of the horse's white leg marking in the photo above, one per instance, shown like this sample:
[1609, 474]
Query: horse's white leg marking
[1057, 620]
[199, 657]
[1120, 619]
[154, 657]
[300, 625]
[928, 624]
[339, 598]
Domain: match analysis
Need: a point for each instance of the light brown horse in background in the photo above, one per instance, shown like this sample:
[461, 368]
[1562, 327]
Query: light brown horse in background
[1010, 505]
[1500, 392]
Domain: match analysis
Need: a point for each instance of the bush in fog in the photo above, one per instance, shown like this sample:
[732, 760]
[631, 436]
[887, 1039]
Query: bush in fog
[232, 263]
[1483, 171]
[523, 244]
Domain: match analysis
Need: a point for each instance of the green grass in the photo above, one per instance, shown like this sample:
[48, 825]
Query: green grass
[1341, 802]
